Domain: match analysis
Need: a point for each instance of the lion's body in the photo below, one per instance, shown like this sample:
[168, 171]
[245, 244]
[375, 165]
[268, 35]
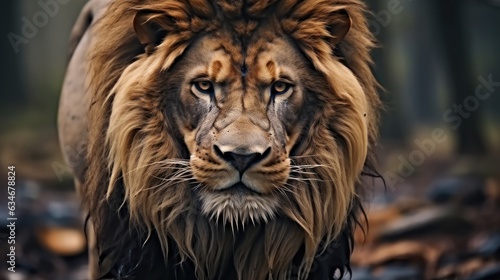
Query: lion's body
[223, 139]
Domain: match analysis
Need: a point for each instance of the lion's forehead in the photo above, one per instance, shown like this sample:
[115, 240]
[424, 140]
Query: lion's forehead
[233, 63]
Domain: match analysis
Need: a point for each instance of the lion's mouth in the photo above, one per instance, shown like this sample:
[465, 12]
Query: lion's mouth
[239, 189]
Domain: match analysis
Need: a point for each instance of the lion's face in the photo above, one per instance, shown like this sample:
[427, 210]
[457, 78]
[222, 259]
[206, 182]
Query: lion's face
[242, 112]
[262, 130]
[248, 113]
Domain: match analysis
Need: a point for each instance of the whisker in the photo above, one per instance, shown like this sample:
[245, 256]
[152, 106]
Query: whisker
[179, 174]
[304, 179]
[197, 186]
[302, 166]
[167, 163]
[168, 183]
[303, 156]
[303, 172]
[177, 179]
[284, 191]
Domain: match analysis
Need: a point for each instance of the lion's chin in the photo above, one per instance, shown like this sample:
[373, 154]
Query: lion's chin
[238, 206]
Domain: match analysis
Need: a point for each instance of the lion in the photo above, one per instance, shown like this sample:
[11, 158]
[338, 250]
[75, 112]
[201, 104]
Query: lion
[220, 139]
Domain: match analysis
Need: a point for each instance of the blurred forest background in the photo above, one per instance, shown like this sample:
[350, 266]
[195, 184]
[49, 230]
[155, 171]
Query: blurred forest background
[437, 218]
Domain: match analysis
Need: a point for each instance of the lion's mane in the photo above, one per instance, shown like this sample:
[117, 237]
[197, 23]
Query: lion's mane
[149, 226]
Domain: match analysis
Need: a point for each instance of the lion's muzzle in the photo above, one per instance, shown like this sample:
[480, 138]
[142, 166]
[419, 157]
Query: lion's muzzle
[242, 144]
[239, 169]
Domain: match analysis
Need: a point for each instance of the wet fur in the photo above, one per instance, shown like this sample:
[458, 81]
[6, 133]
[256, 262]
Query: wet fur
[146, 220]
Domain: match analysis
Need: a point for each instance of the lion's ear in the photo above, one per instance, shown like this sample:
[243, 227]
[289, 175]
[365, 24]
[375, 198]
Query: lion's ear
[339, 26]
[148, 28]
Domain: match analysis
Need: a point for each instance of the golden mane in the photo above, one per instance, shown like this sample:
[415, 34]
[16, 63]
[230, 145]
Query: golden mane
[133, 144]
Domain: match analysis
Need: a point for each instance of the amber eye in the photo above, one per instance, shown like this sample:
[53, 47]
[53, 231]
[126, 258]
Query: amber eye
[280, 87]
[204, 86]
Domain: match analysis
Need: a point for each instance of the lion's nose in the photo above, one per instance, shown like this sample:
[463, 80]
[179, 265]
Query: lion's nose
[240, 159]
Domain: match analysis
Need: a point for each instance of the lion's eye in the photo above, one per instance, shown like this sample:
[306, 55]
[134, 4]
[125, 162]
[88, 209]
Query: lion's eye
[204, 86]
[280, 87]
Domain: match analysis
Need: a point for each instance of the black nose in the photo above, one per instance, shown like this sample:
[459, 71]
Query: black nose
[241, 161]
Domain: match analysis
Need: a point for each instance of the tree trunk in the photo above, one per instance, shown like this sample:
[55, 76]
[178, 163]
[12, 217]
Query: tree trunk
[451, 28]
[12, 90]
